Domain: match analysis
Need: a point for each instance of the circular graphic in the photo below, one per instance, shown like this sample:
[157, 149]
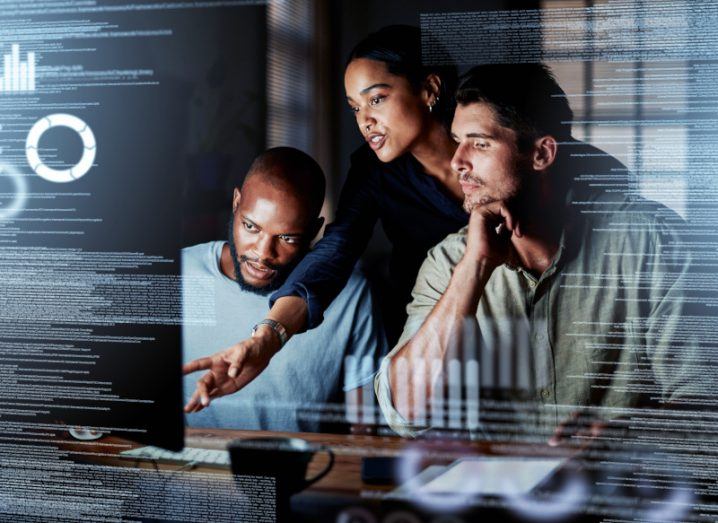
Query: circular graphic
[18, 196]
[355, 515]
[411, 464]
[84, 434]
[57, 175]
[402, 517]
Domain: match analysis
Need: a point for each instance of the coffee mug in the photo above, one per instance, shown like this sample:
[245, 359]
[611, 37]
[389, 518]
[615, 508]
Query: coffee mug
[284, 459]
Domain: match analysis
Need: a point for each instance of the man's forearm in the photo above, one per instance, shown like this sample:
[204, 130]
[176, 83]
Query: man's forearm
[291, 312]
[432, 341]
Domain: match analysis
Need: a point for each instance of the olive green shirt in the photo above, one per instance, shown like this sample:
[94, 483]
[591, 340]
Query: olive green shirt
[603, 324]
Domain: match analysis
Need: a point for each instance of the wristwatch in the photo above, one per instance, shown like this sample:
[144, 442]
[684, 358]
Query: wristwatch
[278, 329]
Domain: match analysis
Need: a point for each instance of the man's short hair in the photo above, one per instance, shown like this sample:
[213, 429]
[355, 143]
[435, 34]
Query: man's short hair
[525, 97]
[294, 170]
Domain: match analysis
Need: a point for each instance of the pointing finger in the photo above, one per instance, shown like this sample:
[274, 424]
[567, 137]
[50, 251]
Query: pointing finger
[198, 364]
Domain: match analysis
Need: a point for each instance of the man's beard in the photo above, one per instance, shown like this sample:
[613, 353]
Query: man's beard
[480, 199]
[517, 197]
[470, 202]
[282, 271]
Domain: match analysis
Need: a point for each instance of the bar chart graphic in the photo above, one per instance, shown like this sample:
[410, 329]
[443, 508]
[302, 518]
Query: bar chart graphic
[17, 76]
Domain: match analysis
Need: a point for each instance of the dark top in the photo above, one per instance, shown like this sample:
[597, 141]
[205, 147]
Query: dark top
[415, 211]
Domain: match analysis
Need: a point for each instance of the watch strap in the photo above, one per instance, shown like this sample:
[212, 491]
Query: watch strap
[277, 327]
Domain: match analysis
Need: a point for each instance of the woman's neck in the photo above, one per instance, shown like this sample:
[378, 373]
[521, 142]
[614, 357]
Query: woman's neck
[434, 150]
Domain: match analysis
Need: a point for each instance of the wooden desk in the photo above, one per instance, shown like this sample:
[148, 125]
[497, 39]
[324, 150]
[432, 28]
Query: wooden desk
[344, 477]
[342, 487]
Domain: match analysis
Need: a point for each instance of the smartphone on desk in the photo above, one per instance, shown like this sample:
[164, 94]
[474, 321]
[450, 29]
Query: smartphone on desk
[379, 470]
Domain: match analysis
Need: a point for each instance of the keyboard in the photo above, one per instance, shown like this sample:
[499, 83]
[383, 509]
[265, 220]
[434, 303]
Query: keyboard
[197, 456]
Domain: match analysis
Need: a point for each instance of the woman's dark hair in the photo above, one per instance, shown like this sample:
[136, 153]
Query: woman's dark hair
[399, 47]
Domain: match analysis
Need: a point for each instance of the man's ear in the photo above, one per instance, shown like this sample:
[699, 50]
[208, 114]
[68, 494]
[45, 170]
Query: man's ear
[544, 153]
[236, 196]
[317, 227]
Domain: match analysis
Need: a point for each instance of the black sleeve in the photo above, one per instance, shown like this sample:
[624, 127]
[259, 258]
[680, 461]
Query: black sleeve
[324, 271]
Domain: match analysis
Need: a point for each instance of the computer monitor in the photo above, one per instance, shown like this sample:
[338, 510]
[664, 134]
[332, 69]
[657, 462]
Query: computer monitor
[125, 129]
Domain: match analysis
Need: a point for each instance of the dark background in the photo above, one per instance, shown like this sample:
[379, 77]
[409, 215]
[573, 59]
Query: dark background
[321, 116]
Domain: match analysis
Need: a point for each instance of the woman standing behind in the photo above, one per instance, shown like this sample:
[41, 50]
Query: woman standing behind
[401, 176]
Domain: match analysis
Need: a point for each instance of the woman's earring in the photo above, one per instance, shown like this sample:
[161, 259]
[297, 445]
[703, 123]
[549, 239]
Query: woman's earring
[436, 101]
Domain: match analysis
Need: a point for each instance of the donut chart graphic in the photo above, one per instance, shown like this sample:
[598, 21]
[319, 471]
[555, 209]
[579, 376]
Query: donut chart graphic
[19, 197]
[60, 175]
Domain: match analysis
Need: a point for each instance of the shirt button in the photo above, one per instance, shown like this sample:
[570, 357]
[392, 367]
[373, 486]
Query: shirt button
[532, 284]
[545, 393]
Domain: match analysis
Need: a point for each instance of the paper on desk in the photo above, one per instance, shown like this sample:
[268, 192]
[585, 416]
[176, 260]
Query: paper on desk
[492, 475]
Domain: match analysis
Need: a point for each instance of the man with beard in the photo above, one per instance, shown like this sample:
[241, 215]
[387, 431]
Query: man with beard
[275, 216]
[594, 278]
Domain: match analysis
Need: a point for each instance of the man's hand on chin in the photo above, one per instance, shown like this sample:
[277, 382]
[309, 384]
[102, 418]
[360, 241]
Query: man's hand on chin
[231, 369]
[491, 227]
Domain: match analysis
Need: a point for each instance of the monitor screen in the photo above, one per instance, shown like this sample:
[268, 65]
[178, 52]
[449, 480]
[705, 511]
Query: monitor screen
[307, 260]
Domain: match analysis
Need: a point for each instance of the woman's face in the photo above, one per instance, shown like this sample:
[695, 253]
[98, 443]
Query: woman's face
[390, 114]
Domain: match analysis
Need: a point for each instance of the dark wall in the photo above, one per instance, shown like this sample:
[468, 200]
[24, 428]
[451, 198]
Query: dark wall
[220, 55]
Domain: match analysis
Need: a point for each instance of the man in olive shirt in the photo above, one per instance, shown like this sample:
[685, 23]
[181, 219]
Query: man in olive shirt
[593, 277]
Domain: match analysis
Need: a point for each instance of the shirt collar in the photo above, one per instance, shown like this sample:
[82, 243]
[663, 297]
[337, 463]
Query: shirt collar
[568, 242]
